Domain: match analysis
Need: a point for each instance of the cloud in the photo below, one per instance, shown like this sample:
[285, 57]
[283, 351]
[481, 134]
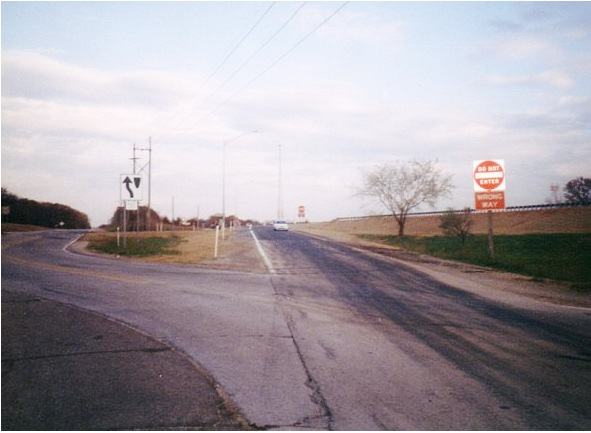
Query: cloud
[527, 46]
[506, 25]
[36, 76]
[558, 79]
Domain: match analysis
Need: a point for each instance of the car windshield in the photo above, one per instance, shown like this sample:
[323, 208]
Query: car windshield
[280, 222]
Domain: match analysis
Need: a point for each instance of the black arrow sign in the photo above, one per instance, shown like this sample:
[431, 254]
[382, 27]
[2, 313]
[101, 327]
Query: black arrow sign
[127, 181]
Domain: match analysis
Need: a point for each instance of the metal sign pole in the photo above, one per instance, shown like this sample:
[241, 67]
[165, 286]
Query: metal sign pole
[491, 245]
[124, 227]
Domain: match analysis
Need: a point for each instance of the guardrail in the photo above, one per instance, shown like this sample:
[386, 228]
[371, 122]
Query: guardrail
[531, 207]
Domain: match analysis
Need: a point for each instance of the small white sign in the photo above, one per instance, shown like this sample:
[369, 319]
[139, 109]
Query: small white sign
[130, 187]
[131, 204]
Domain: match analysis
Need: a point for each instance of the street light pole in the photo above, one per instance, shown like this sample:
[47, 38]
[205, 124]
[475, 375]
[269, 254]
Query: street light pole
[279, 203]
[224, 191]
[226, 142]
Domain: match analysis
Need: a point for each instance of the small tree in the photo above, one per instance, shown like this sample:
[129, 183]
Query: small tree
[401, 188]
[578, 190]
[456, 223]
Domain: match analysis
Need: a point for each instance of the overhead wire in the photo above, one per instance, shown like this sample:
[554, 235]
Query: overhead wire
[223, 62]
[237, 45]
[280, 58]
[255, 53]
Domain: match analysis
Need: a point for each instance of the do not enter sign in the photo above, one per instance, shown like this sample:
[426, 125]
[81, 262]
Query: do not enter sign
[489, 184]
[489, 175]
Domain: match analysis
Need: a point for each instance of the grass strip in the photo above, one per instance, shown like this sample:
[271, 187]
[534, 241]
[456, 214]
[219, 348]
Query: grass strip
[136, 246]
[557, 256]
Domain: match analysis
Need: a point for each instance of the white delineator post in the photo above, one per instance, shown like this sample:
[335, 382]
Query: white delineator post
[215, 248]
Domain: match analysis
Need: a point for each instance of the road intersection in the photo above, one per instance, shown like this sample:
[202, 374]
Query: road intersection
[334, 338]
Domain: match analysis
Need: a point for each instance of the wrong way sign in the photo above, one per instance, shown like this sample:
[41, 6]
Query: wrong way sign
[489, 184]
[130, 187]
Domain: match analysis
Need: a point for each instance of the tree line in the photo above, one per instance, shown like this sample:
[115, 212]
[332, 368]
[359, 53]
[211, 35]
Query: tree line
[19, 210]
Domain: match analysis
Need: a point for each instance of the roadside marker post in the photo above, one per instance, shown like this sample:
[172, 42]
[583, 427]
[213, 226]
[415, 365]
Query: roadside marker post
[118, 236]
[215, 248]
[489, 192]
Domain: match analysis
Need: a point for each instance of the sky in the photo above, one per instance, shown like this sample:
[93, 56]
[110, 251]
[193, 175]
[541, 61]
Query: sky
[339, 87]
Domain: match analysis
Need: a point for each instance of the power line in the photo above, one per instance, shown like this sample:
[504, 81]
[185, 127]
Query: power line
[281, 57]
[233, 50]
[253, 55]
[180, 116]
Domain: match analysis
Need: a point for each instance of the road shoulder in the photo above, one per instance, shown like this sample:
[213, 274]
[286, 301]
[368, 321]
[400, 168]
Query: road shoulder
[64, 368]
[516, 289]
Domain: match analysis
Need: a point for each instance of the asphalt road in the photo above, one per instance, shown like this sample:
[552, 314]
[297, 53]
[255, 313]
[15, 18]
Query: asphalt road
[336, 338]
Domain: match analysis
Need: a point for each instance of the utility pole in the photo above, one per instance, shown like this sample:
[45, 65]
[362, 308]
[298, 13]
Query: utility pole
[137, 220]
[134, 158]
[149, 150]
[149, 217]
[279, 203]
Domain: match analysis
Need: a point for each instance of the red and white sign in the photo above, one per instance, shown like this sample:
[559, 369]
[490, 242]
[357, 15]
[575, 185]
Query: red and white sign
[489, 200]
[489, 184]
[301, 212]
[489, 175]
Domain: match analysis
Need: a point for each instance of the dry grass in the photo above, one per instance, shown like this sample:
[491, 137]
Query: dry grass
[11, 227]
[235, 253]
[194, 247]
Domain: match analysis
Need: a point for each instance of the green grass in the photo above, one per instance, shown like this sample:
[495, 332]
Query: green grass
[137, 247]
[563, 257]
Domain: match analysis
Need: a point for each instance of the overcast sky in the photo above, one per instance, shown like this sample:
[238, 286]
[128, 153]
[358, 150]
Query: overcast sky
[377, 82]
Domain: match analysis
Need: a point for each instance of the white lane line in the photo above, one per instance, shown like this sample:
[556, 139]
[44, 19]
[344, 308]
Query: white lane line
[65, 249]
[262, 253]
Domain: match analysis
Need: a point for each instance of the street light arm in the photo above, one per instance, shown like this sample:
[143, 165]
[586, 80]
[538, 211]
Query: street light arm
[241, 135]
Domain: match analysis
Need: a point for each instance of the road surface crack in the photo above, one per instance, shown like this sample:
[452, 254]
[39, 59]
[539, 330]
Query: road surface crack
[317, 397]
[97, 352]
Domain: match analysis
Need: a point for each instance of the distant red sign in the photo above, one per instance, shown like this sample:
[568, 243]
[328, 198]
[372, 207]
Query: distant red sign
[301, 212]
[489, 200]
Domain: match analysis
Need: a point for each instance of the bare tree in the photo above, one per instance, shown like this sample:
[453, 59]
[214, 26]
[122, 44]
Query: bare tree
[401, 188]
[578, 190]
[456, 223]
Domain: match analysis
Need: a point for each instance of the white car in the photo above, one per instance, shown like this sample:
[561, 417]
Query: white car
[280, 225]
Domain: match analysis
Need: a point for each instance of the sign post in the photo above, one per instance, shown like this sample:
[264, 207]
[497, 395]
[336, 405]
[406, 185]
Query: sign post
[489, 192]
[130, 193]
[124, 228]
